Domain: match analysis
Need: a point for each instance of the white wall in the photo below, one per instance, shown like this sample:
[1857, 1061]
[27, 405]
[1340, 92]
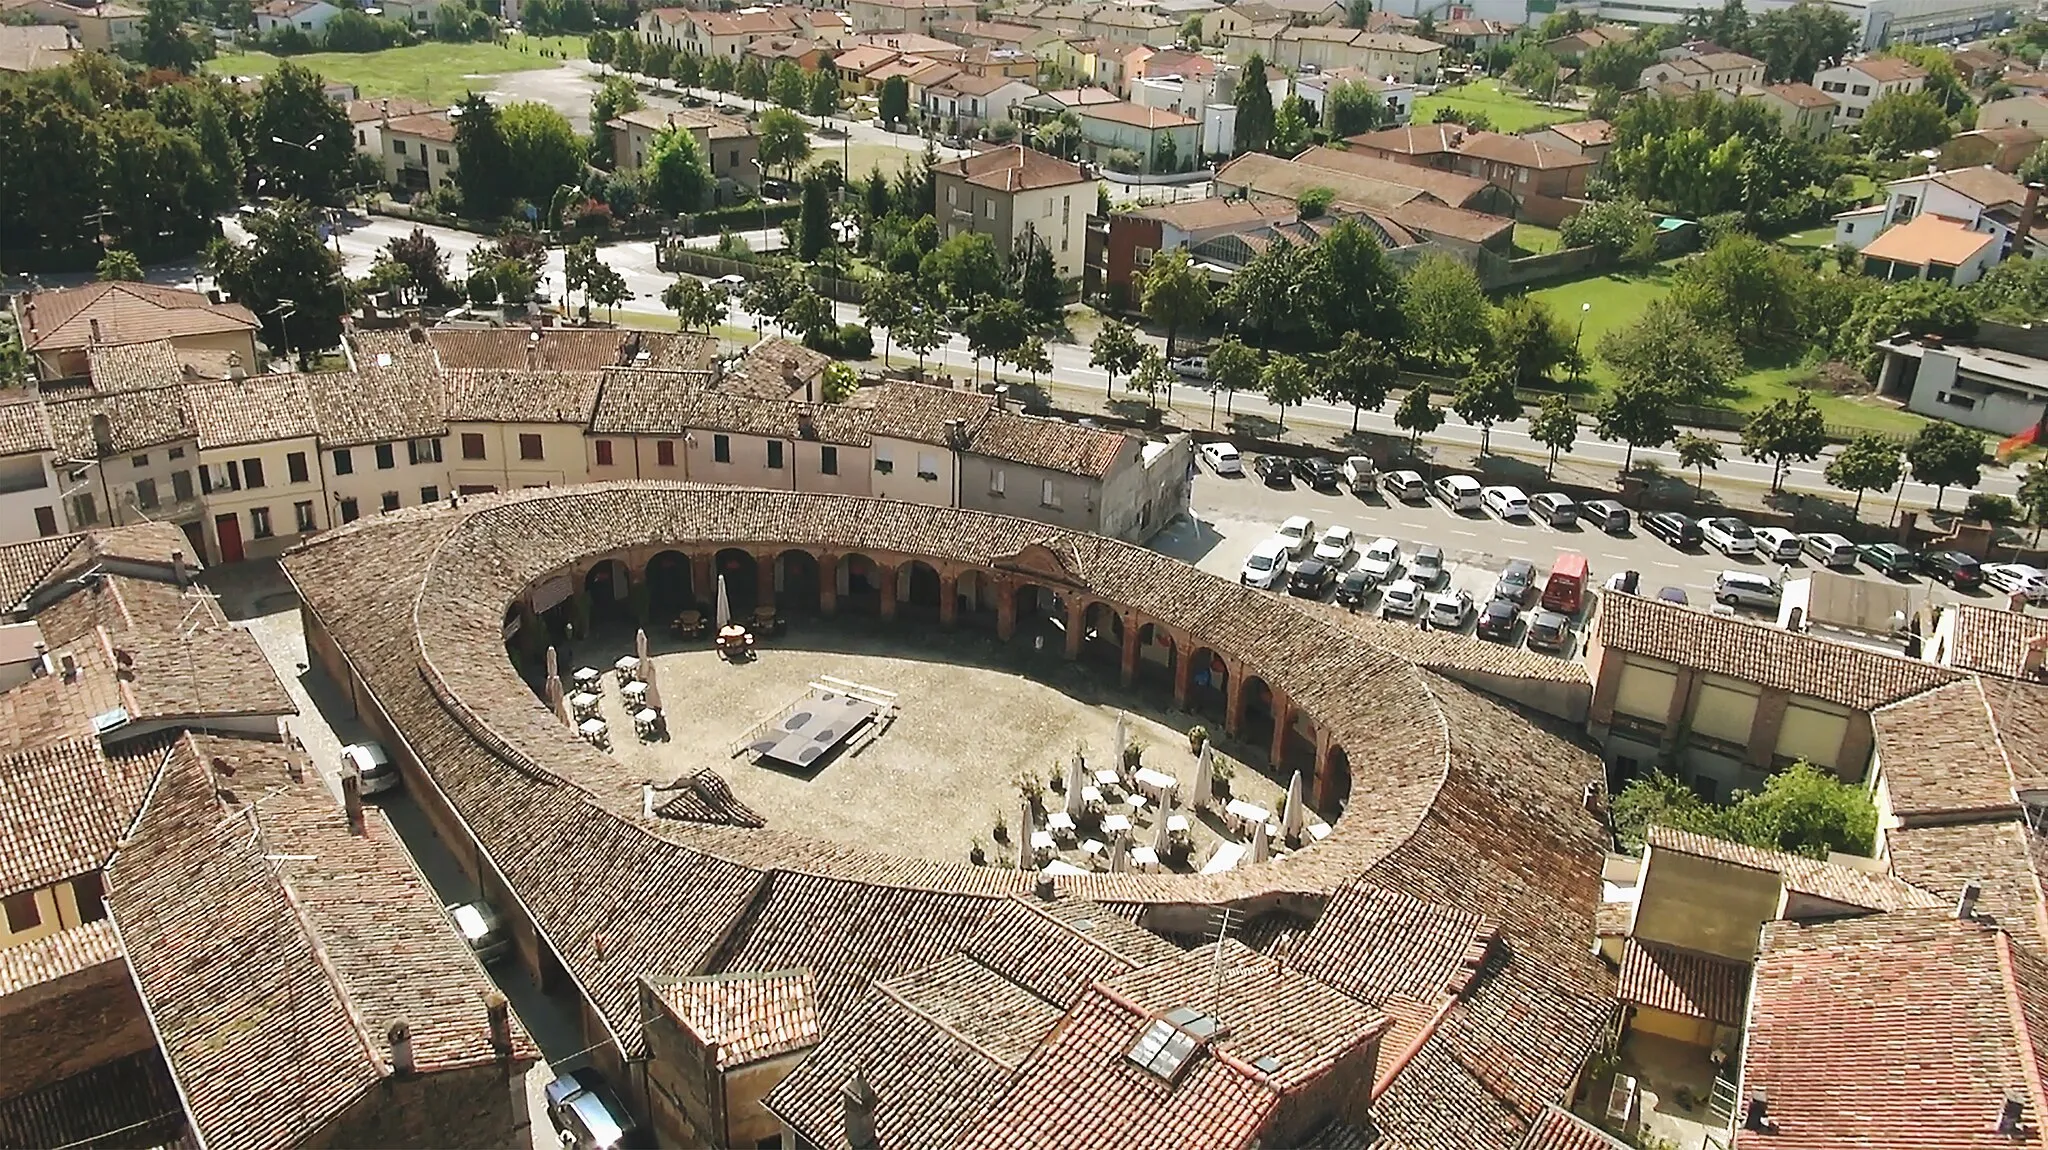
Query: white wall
[367, 481]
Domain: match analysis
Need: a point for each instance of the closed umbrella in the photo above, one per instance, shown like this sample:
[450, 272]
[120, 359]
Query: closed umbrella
[558, 700]
[647, 677]
[1024, 859]
[640, 646]
[1159, 833]
[1262, 849]
[1291, 816]
[1204, 768]
[1119, 856]
[1119, 739]
[724, 615]
[554, 668]
[1077, 778]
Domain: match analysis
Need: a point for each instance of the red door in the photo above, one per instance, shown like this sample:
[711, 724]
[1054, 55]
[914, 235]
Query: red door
[229, 529]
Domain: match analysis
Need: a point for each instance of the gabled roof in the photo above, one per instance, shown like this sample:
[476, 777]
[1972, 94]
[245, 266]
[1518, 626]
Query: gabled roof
[127, 313]
[63, 809]
[1929, 240]
[394, 393]
[1585, 133]
[744, 1018]
[254, 409]
[1013, 168]
[1940, 755]
[1886, 69]
[435, 126]
[1800, 95]
[920, 413]
[1984, 184]
[24, 425]
[1050, 444]
[1831, 882]
[1683, 982]
[1436, 139]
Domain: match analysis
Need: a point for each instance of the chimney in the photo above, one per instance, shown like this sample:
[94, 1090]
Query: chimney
[858, 1100]
[806, 425]
[401, 1049]
[500, 1014]
[416, 333]
[178, 567]
[1589, 799]
[1002, 394]
[1966, 904]
[95, 322]
[352, 800]
[1758, 1117]
[1043, 887]
[532, 353]
[2026, 228]
[42, 666]
[2012, 1113]
[956, 432]
[102, 434]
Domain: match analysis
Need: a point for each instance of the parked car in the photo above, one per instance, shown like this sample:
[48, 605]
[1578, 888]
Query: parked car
[1448, 610]
[1382, 560]
[479, 925]
[1890, 558]
[1830, 549]
[1555, 508]
[1299, 533]
[731, 285]
[1402, 597]
[1505, 502]
[1317, 472]
[1273, 470]
[1426, 566]
[1549, 630]
[1336, 547]
[375, 772]
[1672, 528]
[1311, 579]
[1516, 580]
[1747, 589]
[1728, 535]
[1457, 492]
[1359, 474]
[1223, 458]
[1777, 544]
[1497, 619]
[587, 1112]
[1605, 514]
[1625, 582]
[1355, 587]
[2018, 578]
[1406, 486]
[1191, 366]
[1958, 569]
[1265, 566]
[1674, 595]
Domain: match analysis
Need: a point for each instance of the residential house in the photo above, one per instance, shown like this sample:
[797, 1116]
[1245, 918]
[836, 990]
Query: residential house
[906, 15]
[308, 16]
[1545, 182]
[366, 119]
[1127, 25]
[775, 50]
[31, 500]
[913, 43]
[415, 14]
[98, 27]
[1394, 55]
[1723, 702]
[972, 101]
[1931, 247]
[1987, 640]
[824, 26]
[1006, 63]
[1165, 141]
[2002, 148]
[383, 426]
[512, 429]
[127, 447]
[1806, 112]
[1572, 45]
[1978, 67]
[918, 73]
[728, 144]
[2025, 81]
[1470, 35]
[2000, 390]
[709, 34]
[259, 468]
[1404, 207]
[1315, 87]
[1096, 61]
[857, 63]
[32, 48]
[1137, 237]
[2014, 112]
[1857, 84]
[1981, 199]
[1704, 71]
[60, 328]
[1592, 139]
[1027, 38]
[917, 435]
[1013, 192]
[1306, 11]
[420, 154]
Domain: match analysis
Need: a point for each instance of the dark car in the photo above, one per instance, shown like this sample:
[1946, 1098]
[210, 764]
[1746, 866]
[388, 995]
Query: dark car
[1890, 558]
[1317, 472]
[1311, 579]
[1353, 587]
[1958, 569]
[1273, 470]
[1673, 528]
[1549, 630]
[1674, 595]
[1497, 619]
[1516, 580]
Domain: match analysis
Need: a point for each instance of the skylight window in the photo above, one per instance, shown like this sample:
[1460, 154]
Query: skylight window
[1167, 1045]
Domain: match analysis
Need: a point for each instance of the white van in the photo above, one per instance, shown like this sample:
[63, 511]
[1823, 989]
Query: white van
[1777, 544]
[1458, 492]
[1747, 589]
[374, 770]
[1830, 549]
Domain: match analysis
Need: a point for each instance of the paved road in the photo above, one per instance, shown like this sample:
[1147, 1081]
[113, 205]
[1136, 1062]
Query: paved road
[1234, 514]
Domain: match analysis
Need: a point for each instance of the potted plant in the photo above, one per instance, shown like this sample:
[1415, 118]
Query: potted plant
[1002, 829]
[1134, 755]
[1033, 791]
[1219, 778]
[1057, 781]
[1197, 735]
[976, 855]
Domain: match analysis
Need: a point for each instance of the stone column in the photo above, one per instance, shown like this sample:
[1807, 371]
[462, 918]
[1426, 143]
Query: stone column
[1325, 763]
[949, 599]
[1077, 619]
[764, 578]
[1183, 677]
[1765, 726]
[887, 577]
[1681, 706]
[1233, 702]
[828, 584]
[1131, 649]
[1283, 718]
[1006, 609]
[703, 578]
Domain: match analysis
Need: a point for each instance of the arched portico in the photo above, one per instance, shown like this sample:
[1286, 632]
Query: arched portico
[1102, 634]
[1157, 661]
[670, 588]
[857, 581]
[608, 583]
[742, 575]
[918, 589]
[796, 581]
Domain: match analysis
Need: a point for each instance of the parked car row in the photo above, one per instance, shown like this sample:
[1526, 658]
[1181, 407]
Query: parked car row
[1829, 549]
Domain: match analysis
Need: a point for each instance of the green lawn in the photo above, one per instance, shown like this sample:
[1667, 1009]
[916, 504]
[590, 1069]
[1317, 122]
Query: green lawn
[1536, 240]
[431, 71]
[1819, 237]
[862, 157]
[1506, 111]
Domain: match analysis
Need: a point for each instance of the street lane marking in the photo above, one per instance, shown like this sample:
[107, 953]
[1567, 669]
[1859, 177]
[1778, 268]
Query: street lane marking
[1673, 566]
[1466, 534]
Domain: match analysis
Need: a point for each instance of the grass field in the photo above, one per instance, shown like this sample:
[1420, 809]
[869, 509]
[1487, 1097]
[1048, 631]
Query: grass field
[862, 157]
[1506, 111]
[431, 71]
[1536, 240]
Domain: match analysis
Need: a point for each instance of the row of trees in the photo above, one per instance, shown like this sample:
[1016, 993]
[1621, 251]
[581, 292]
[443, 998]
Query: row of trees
[788, 86]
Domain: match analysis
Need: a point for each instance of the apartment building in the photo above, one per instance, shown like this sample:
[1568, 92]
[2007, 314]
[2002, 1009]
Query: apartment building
[101, 27]
[1856, 85]
[709, 34]
[1807, 112]
[730, 146]
[258, 465]
[1703, 71]
[1012, 192]
[60, 328]
[383, 426]
[907, 15]
[419, 152]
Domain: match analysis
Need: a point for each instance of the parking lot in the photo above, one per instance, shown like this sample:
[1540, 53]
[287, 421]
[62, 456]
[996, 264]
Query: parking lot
[1234, 513]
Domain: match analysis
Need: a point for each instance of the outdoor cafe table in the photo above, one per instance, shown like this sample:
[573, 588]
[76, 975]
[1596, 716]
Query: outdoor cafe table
[1116, 824]
[628, 666]
[1041, 843]
[635, 693]
[1227, 856]
[1240, 813]
[584, 703]
[586, 676]
[1157, 784]
[592, 729]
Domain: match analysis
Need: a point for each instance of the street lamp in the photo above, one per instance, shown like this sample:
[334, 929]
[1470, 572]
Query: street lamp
[284, 311]
[1576, 358]
[761, 194]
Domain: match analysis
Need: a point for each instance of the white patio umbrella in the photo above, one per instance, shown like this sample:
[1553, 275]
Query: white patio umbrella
[1205, 767]
[554, 670]
[1262, 848]
[558, 700]
[640, 646]
[1159, 833]
[647, 677]
[1119, 856]
[724, 614]
[1024, 859]
[1077, 778]
[1119, 739]
[1291, 816]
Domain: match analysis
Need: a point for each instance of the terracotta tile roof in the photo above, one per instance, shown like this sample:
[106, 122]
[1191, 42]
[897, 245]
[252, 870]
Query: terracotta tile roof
[1928, 239]
[1762, 654]
[1457, 223]
[646, 402]
[1051, 444]
[136, 419]
[861, 58]
[996, 1016]
[63, 809]
[365, 111]
[843, 424]
[1887, 69]
[1436, 139]
[217, 672]
[130, 1101]
[33, 48]
[257, 409]
[775, 368]
[1984, 184]
[1996, 854]
[1449, 653]
[56, 956]
[918, 412]
[127, 313]
[1272, 176]
[714, 126]
[1685, 982]
[1056, 949]
[1453, 189]
[24, 426]
[435, 126]
[125, 366]
[568, 349]
[704, 798]
[1014, 168]
[520, 396]
[1560, 1129]
[1992, 641]
[1376, 944]
[1138, 116]
[2020, 712]
[1586, 133]
[23, 565]
[745, 1018]
[1214, 212]
[1926, 1062]
[1800, 95]
[1832, 882]
[1940, 756]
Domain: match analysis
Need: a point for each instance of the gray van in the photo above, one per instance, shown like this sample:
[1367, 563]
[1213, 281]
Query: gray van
[1605, 514]
[1555, 508]
[587, 1113]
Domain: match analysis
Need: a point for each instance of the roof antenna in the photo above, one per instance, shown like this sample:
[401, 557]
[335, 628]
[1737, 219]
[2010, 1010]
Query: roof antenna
[1216, 979]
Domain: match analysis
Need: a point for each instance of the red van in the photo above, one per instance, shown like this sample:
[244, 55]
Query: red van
[1565, 592]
